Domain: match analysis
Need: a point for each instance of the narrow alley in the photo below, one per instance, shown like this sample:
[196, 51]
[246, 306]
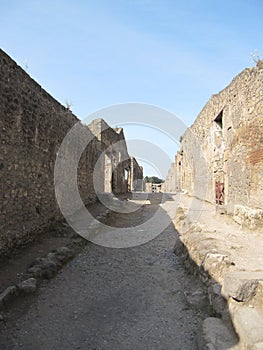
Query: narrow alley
[136, 298]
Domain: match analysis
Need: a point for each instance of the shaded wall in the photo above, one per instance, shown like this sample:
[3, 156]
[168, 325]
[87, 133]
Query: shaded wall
[115, 158]
[135, 181]
[33, 125]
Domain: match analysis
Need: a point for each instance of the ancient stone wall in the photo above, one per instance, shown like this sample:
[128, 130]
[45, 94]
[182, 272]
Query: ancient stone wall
[33, 125]
[171, 179]
[135, 181]
[115, 159]
[154, 188]
[221, 156]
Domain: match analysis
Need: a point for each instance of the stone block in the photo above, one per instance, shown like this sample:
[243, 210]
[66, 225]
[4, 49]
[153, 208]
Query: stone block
[217, 301]
[248, 323]
[241, 285]
[64, 253]
[28, 286]
[47, 267]
[250, 217]
[7, 295]
[216, 335]
[216, 264]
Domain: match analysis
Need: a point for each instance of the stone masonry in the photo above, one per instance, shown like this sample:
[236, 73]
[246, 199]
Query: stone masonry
[135, 176]
[221, 155]
[33, 125]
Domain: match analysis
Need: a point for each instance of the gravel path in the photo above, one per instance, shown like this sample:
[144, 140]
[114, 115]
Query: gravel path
[137, 298]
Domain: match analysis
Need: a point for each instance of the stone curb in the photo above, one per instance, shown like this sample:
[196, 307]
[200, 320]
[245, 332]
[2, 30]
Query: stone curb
[229, 291]
[41, 268]
[7, 295]
[241, 285]
[214, 334]
[248, 323]
[48, 266]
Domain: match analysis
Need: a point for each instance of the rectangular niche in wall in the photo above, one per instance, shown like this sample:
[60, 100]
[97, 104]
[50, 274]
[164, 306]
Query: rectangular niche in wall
[219, 119]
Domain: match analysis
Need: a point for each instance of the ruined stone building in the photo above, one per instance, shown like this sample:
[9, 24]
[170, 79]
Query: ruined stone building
[33, 126]
[153, 187]
[135, 178]
[221, 154]
[170, 184]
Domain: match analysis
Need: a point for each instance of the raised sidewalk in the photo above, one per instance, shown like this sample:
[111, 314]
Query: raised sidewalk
[229, 260]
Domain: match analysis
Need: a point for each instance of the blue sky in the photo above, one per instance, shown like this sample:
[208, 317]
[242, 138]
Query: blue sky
[171, 54]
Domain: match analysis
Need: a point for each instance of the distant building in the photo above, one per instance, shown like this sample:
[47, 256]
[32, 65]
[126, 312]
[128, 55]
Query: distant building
[153, 188]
